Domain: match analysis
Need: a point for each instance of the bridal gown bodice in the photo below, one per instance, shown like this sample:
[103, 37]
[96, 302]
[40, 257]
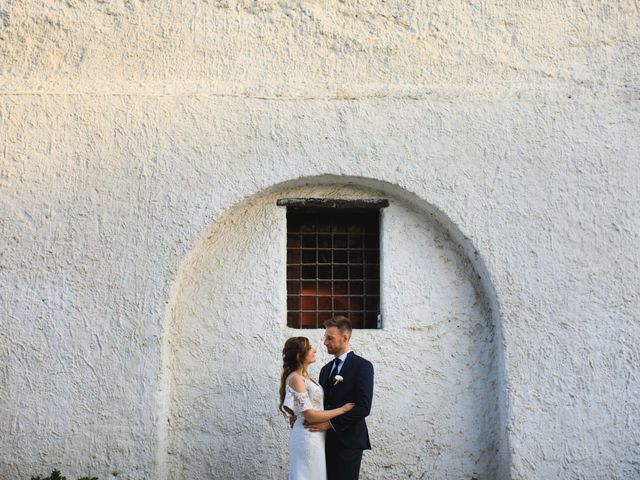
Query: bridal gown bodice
[306, 448]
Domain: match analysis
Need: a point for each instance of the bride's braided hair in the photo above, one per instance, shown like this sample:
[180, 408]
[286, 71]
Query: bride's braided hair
[293, 354]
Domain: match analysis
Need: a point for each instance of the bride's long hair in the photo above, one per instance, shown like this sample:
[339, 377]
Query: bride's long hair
[293, 354]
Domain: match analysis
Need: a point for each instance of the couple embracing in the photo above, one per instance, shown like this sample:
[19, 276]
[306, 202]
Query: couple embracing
[328, 432]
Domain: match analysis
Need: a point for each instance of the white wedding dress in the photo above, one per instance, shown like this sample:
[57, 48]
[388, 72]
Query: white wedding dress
[306, 449]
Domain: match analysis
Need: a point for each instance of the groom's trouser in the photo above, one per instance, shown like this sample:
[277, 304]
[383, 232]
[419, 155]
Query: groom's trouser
[342, 463]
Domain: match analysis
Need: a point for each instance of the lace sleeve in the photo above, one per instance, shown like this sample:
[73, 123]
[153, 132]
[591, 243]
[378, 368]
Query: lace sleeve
[288, 400]
[300, 401]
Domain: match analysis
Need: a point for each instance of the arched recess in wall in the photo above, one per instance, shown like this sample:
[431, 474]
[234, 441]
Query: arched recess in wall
[440, 402]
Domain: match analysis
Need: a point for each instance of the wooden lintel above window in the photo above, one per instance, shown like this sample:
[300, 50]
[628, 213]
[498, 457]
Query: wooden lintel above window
[331, 203]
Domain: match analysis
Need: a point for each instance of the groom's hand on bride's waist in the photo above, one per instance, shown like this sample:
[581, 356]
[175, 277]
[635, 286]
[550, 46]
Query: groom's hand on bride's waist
[317, 427]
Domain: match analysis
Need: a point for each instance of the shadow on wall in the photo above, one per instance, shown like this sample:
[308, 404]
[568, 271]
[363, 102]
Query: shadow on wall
[439, 405]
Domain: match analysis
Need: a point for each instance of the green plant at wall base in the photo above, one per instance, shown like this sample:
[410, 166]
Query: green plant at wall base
[55, 475]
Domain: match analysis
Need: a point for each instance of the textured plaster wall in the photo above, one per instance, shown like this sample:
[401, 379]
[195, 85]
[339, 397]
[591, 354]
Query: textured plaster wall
[129, 129]
[436, 410]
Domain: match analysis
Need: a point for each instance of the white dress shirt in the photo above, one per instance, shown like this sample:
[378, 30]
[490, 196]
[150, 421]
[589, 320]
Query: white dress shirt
[342, 359]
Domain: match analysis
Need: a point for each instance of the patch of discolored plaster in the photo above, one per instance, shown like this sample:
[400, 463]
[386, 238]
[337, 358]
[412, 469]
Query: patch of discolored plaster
[318, 49]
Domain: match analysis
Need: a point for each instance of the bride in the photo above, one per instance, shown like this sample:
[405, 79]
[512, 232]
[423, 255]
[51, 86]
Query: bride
[303, 398]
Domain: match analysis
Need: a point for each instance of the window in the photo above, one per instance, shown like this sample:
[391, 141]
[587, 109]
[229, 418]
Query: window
[333, 261]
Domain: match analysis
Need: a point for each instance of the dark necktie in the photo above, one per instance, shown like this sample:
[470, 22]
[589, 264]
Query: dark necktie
[336, 363]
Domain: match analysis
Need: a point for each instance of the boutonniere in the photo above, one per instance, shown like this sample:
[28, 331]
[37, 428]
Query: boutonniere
[337, 379]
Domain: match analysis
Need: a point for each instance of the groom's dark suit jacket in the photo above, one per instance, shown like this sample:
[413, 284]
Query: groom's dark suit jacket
[357, 387]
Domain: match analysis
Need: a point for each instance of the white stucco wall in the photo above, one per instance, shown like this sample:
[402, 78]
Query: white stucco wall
[128, 130]
[436, 410]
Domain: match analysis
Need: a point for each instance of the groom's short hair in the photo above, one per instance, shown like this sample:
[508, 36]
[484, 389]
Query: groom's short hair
[342, 323]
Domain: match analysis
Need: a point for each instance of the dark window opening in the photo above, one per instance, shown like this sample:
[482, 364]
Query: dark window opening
[333, 261]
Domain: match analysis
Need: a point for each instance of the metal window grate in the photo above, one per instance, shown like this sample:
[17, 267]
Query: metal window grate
[333, 266]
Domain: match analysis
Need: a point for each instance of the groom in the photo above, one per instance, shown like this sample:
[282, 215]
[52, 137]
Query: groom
[347, 378]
